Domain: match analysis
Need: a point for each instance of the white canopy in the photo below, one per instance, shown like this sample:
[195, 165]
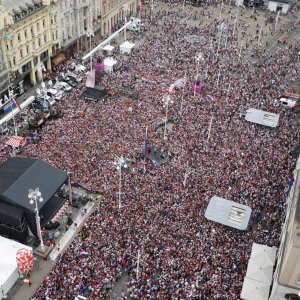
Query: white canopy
[108, 48]
[109, 64]
[255, 290]
[126, 47]
[8, 264]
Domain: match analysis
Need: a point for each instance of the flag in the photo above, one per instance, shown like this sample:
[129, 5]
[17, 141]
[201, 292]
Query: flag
[146, 148]
[16, 102]
[84, 253]
[148, 81]
[210, 97]
[210, 53]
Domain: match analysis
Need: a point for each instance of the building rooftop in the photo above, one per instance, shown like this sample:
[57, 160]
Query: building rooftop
[21, 7]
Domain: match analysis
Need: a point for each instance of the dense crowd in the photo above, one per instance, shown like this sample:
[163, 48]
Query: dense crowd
[182, 255]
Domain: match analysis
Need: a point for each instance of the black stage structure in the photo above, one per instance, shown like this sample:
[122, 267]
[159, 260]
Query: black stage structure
[17, 176]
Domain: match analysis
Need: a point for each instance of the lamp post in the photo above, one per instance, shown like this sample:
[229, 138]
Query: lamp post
[126, 9]
[166, 101]
[120, 163]
[90, 34]
[35, 196]
[198, 60]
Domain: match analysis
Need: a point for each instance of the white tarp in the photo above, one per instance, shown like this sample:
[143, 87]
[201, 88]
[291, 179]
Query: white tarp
[228, 213]
[255, 290]
[8, 264]
[109, 64]
[126, 47]
[262, 117]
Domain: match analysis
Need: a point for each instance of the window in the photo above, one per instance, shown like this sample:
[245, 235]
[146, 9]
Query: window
[25, 33]
[39, 42]
[44, 23]
[45, 38]
[27, 49]
[19, 37]
[38, 26]
[21, 52]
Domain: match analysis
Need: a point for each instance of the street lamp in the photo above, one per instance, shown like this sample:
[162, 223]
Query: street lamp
[35, 196]
[126, 9]
[166, 100]
[198, 60]
[120, 163]
[90, 33]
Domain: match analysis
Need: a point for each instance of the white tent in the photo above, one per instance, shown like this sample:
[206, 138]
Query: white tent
[8, 266]
[126, 47]
[263, 255]
[108, 48]
[255, 290]
[109, 64]
[259, 273]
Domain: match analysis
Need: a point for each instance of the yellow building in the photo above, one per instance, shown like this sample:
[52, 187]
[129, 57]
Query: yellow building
[29, 39]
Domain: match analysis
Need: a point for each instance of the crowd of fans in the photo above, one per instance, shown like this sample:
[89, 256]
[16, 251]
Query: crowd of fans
[182, 255]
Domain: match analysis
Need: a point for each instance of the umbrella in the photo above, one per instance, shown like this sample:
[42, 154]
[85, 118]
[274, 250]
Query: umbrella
[255, 290]
[259, 273]
[263, 255]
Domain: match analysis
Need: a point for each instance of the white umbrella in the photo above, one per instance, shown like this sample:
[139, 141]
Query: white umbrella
[259, 273]
[255, 290]
[263, 255]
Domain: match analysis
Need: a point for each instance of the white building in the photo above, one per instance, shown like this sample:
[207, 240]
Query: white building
[286, 280]
[113, 11]
[279, 5]
[4, 79]
[77, 18]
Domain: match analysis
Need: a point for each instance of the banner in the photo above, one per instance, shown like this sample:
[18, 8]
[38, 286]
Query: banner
[90, 81]
[99, 67]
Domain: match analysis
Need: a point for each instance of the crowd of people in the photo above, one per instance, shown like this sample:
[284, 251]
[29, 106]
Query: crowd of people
[159, 237]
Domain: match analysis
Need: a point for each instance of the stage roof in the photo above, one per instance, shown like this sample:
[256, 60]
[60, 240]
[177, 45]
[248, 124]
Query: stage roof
[18, 175]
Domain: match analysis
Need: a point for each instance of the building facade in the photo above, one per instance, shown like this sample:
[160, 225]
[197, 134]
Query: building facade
[115, 11]
[77, 18]
[286, 279]
[30, 38]
[4, 78]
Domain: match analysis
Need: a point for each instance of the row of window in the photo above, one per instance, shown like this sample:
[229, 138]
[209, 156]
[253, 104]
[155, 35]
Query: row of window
[30, 32]
[34, 45]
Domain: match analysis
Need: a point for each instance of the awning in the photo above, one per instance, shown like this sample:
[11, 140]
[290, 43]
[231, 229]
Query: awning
[255, 290]
[59, 59]
[16, 141]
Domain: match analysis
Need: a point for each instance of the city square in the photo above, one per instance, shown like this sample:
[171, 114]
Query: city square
[172, 129]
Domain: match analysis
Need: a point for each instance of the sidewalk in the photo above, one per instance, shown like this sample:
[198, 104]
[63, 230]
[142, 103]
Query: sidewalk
[25, 292]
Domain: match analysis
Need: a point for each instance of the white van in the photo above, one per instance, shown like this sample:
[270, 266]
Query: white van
[288, 100]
